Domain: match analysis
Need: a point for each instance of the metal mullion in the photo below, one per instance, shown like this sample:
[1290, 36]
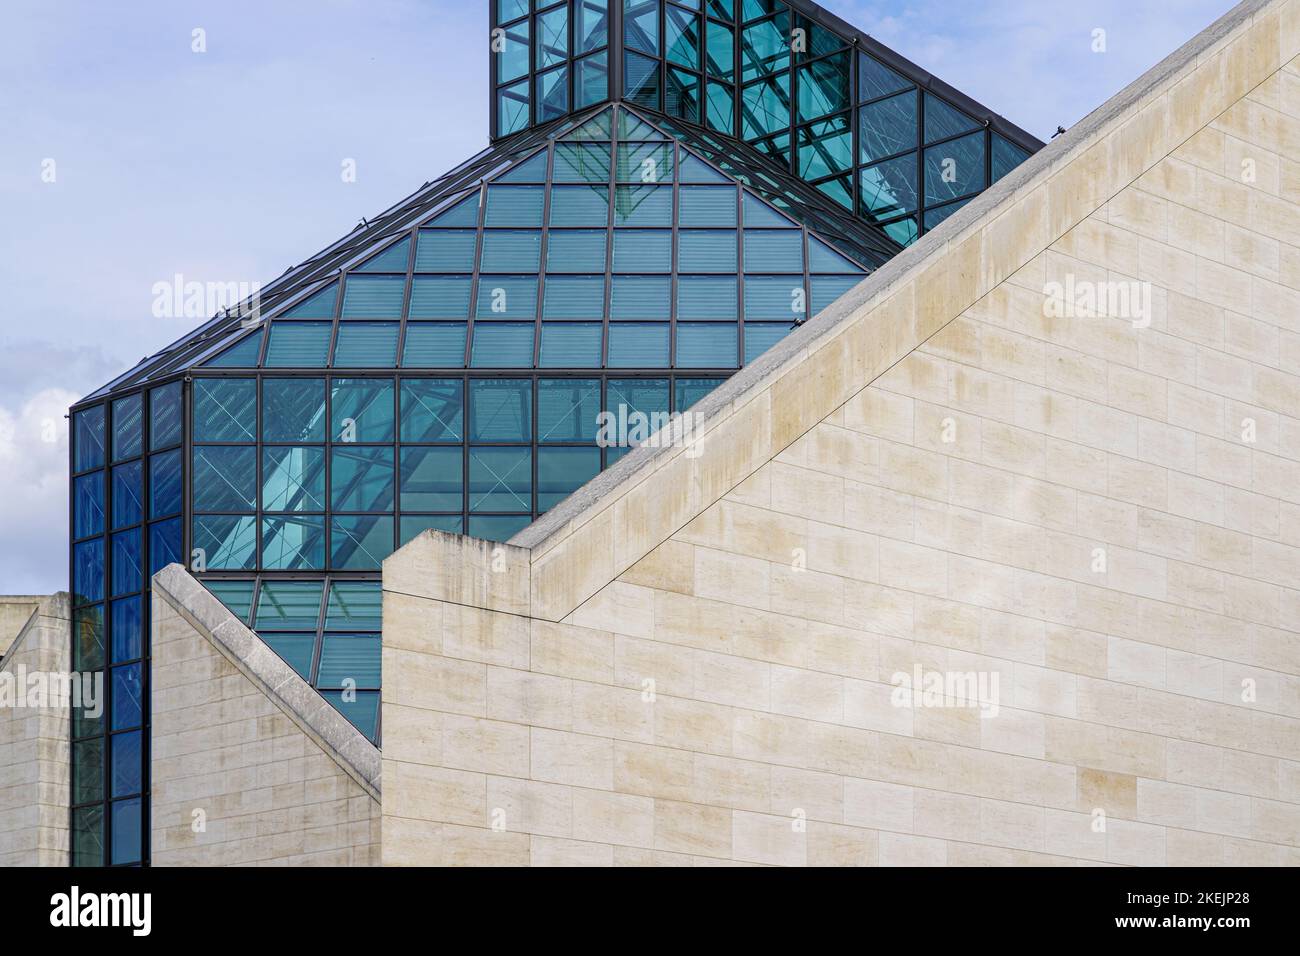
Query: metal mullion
[406, 297]
[674, 285]
[474, 274]
[319, 643]
[545, 234]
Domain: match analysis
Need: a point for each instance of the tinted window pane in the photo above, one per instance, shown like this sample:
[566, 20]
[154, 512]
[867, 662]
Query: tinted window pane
[706, 345]
[128, 424]
[354, 606]
[235, 595]
[500, 479]
[579, 205]
[888, 127]
[431, 478]
[707, 206]
[88, 505]
[127, 758]
[512, 109]
[711, 297]
[432, 409]
[570, 345]
[954, 169]
[552, 94]
[243, 354]
[637, 250]
[502, 345]
[434, 345]
[225, 409]
[88, 570]
[445, 250]
[126, 828]
[164, 544]
[349, 660]
[773, 251]
[88, 429]
[361, 542]
[575, 251]
[88, 771]
[591, 79]
[293, 544]
[506, 297]
[289, 605]
[362, 410]
[889, 188]
[165, 484]
[773, 297]
[641, 80]
[224, 542]
[293, 409]
[88, 638]
[366, 345]
[414, 525]
[765, 47]
[501, 410]
[574, 297]
[511, 250]
[165, 415]
[824, 87]
[293, 479]
[765, 107]
[126, 697]
[875, 79]
[440, 297]
[638, 345]
[128, 489]
[561, 471]
[128, 630]
[362, 712]
[514, 206]
[643, 206]
[761, 336]
[700, 250]
[640, 297]
[392, 259]
[373, 297]
[581, 163]
[567, 409]
[299, 345]
[225, 478]
[361, 478]
[943, 120]
[296, 650]
[826, 289]
[128, 568]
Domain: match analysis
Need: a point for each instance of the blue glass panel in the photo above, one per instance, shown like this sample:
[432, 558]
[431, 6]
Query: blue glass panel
[366, 345]
[321, 305]
[759, 213]
[440, 297]
[432, 409]
[519, 206]
[561, 471]
[706, 250]
[296, 650]
[128, 570]
[165, 416]
[761, 336]
[373, 297]
[361, 478]
[88, 571]
[224, 478]
[506, 297]
[225, 409]
[293, 544]
[774, 297]
[298, 345]
[822, 258]
[767, 251]
[361, 409]
[128, 494]
[903, 231]
[498, 527]
[640, 297]
[289, 605]
[434, 345]
[707, 298]
[88, 436]
[445, 250]
[888, 127]
[503, 345]
[570, 345]
[164, 544]
[643, 205]
[243, 354]
[127, 823]
[225, 542]
[1006, 157]
[511, 250]
[127, 631]
[581, 163]
[360, 542]
[552, 94]
[591, 79]
[128, 427]
[501, 409]
[293, 478]
[414, 525]
[500, 479]
[826, 289]
[943, 120]
[934, 217]
[354, 606]
[579, 206]
[889, 187]
[875, 79]
[574, 297]
[349, 661]
[954, 169]
[393, 259]
[688, 391]
[431, 478]
[88, 505]
[575, 251]
[692, 169]
[293, 409]
[362, 712]
[641, 250]
[235, 595]
[707, 205]
[508, 10]
[706, 345]
[127, 759]
[126, 697]
[590, 25]
[567, 409]
[638, 345]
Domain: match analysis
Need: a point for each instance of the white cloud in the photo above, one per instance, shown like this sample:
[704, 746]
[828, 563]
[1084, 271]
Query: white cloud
[34, 493]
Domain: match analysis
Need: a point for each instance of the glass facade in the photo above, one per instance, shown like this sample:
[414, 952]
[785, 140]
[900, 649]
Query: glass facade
[447, 364]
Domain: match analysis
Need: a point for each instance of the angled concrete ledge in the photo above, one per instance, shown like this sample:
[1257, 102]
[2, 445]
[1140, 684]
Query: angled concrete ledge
[299, 701]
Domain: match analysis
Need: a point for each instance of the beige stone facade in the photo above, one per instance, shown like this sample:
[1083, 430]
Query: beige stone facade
[250, 765]
[15, 612]
[695, 660]
[34, 757]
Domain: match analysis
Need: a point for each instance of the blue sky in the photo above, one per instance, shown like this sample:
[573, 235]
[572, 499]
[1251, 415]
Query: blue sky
[225, 165]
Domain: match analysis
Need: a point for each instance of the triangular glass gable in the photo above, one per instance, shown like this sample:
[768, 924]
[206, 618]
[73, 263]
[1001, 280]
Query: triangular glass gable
[320, 305]
[392, 259]
[243, 354]
[598, 127]
[531, 170]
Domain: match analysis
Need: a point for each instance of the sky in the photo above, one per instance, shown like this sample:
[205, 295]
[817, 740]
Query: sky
[209, 139]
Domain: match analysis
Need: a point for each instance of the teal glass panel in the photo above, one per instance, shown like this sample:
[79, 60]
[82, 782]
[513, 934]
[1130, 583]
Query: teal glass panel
[414, 525]
[87, 841]
[366, 345]
[590, 25]
[319, 305]
[349, 661]
[682, 37]
[293, 409]
[225, 409]
[720, 56]
[512, 58]
[711, 298]
[943, 120]
[643, 206]
[765, 47]
[934, 217]
[503, 345]
[224, 478]
[641, 80]
[596, 128]
[823, 87]
[876, 80]
[517, 206]
[570, 345]
[640, 297]
[88, 505]
[567, 409]
[707, 206]
[631, 127]
[722, 9]
[235, 595]
[299, 345]
[552, 94]
[1006, 157]
[706, 345]
[500, 479]
[498, 527]
[552, 38]
[501, 409]
[360, 542]
[581, 163]
[293, 478]
[296, 650]
[688, 391]
[682, 95]
[720, 108]
[574, 297]
[561, 471]
[648, 163]
[580, 206]
[822, 258]
[826, 289]
[774, 297]
[243, 354]
[440, 297]
[761, 336]
[395, 258]
[128, 427]
[463, 214]
[954, 169]
[128, 563]
[530, 170]
[644, 396]
[165, 416]
[641, 25]
[767, 251]
[373, 297]
[759, 213]
[701, 250]
[361, 478]
[765, 107]
[354, 605]
[431, 478]
[128, 494]
[288, 605]
[695, 170]
[88, 438]
[889, 188]
[575, 250]
[638, 345]
[639, 250]
[293, 543]
[433, 409]
[165, 544]
[902, 231]
[361, 409]
[512, 108]
[826, 149]
[362, 710]
[508, 10]
[444, 250]
[88, 771]
[506, 297]
[225, 542]
[887, 127]
[434, 345]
